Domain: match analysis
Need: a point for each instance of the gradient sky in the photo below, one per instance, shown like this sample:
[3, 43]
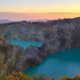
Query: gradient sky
[38, 9]
[40, 6]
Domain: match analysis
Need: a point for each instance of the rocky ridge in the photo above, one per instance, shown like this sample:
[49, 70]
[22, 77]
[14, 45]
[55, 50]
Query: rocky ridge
[55, 35]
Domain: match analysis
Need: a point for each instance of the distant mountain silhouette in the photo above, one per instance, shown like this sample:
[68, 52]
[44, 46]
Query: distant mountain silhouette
[8, 21]
[5, 21]
[39, 20]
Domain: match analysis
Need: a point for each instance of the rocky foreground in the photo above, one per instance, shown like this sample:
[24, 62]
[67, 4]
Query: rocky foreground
[56, 36]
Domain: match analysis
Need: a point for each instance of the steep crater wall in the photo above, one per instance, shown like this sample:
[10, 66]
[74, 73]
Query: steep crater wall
[55, 35]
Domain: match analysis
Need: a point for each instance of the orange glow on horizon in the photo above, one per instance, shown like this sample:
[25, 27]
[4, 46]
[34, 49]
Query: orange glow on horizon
[33, 16]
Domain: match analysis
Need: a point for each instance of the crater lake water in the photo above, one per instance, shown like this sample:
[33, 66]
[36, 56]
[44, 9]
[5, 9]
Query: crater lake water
[25, 44]
[68, 60]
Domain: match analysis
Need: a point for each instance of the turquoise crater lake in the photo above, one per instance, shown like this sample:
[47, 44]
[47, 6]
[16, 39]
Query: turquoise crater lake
[25, 44]
[68, 60]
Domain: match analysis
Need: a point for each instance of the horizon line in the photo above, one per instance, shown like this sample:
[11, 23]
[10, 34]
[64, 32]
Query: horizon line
[43, 13]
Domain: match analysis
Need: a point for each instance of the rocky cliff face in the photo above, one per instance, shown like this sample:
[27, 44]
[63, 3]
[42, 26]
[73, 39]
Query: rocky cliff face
[10, 57]
[55, 35]
[38, 31]
[15, 58]
[21, 31]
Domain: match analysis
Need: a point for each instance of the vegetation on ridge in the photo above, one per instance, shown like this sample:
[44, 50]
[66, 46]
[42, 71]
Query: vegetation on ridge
[21, 76]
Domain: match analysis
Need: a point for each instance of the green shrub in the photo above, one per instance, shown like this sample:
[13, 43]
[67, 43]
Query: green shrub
[77, 77]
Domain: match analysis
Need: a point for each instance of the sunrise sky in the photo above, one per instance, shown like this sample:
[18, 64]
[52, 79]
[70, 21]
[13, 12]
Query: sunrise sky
[37, 9]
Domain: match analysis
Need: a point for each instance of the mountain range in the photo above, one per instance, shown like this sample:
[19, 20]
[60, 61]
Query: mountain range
[37, 20]
[5, 21]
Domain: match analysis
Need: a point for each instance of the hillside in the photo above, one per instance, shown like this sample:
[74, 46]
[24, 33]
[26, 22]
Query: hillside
[57, 35]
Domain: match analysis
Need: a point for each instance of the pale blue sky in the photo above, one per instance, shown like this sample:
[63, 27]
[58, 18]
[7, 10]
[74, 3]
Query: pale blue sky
[40, 6]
